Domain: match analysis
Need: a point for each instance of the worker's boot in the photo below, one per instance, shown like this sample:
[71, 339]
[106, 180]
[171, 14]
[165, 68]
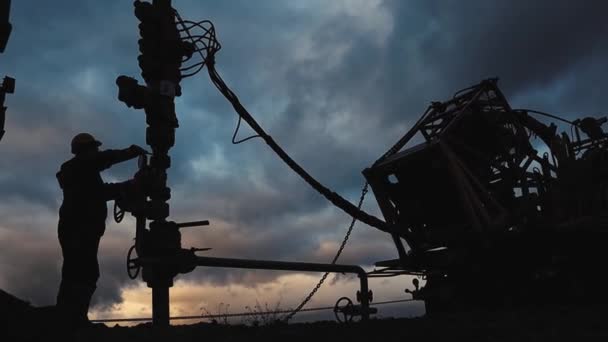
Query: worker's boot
[83, 300]
[62, 296]
[66, 307]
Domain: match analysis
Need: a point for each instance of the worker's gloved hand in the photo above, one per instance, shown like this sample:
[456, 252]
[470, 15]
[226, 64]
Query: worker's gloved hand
[138, 150]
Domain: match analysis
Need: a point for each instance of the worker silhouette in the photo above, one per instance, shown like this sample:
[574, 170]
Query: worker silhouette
[82, 219]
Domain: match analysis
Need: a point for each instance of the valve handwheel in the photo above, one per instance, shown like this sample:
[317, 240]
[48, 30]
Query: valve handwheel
[133, 265]
[344, 310]
[119, 213]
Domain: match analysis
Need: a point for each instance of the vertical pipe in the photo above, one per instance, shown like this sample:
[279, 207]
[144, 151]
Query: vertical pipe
[161, 142]
[160, 306]
[140, 227]
[364, 297]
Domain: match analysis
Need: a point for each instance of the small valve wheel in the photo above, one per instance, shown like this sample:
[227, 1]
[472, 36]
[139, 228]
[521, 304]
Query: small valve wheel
[119, 213]
[133, 265]
[344, 310]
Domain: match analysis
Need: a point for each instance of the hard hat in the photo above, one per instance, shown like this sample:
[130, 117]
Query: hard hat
[83, 140]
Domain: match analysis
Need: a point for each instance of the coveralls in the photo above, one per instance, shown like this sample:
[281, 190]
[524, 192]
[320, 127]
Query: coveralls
[82, 224]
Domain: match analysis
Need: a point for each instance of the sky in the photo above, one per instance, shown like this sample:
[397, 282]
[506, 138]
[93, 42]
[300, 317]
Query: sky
[335, 83]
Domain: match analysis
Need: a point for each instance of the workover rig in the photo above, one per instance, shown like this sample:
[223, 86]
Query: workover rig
[497, 207]
[494, 206]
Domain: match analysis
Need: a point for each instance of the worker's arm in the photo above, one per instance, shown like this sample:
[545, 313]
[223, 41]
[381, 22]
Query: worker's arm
[107, 158]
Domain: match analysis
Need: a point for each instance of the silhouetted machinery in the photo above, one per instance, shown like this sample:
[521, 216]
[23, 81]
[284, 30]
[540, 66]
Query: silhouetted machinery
[8, 84]
[497, 207]
[167, 41]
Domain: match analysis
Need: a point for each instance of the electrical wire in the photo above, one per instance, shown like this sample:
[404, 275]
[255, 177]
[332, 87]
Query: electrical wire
[240, 314]
[333, 197]
[355, 212]
[236, 131]
[208, 35]
[193, 66]
[216, 79]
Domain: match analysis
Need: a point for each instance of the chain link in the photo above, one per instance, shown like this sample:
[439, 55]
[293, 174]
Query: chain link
[394, 149]
[364, 191]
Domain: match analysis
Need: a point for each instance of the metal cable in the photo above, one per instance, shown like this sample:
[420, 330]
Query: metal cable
[333, 197]
[211, 49]
[355, 212]
[240, 314]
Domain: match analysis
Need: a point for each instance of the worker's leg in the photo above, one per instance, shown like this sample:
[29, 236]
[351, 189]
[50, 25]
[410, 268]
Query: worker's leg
[90, 275]
[79, 276]
[68, 289]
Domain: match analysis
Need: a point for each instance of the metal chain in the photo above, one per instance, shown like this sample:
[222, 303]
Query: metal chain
[364, 191]
[333, 197]
[394, 149]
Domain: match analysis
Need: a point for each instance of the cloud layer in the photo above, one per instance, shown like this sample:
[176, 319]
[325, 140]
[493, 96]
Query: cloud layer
[334, 83]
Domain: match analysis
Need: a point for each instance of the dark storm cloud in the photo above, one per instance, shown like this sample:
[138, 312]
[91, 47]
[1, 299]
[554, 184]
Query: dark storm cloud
[335, 84]
[432, 51]
[528, 44]
[30, 261]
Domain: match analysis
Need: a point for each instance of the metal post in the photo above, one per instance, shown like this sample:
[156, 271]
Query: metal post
[364, 298]
[162, 52]
[160, 306]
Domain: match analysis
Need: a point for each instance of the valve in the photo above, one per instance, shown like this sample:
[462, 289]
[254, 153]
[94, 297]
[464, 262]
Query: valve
[133, 266]
[417, 291]
[370, 296]
[343, 310]
[119, 213]
[7, 87]
[131, 92]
